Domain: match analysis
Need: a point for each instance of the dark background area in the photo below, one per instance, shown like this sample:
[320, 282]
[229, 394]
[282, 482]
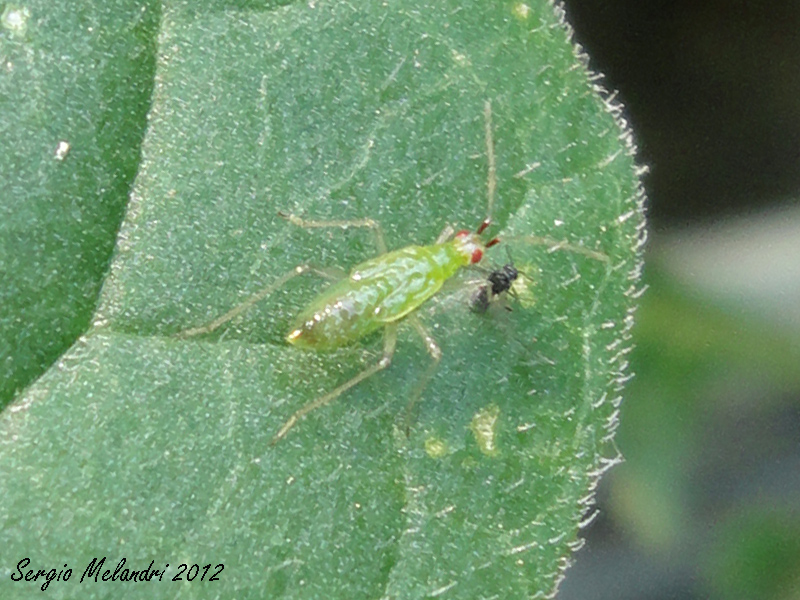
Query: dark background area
[712, 91]
[707, 504]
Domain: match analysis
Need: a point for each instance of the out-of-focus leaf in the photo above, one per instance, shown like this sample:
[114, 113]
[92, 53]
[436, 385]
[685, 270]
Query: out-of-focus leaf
[686, 346]
[754, 554]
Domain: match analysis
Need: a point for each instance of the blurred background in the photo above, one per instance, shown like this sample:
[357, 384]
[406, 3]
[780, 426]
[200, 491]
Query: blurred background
[707, 504]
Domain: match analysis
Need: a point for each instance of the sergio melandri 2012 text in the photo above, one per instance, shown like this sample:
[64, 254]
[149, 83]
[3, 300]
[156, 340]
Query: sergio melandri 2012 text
[94, 571]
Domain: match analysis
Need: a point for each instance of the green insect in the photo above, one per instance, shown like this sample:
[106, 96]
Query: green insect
[378, 293]
[383, 290]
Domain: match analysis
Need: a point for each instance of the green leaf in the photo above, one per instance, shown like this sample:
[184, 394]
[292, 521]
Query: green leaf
[151, 447]
[75, 88]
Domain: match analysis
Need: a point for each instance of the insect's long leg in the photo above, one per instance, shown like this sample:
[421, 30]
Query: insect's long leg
[436, 354]
[389, 343]
[254, 299]
[343, 224]
[491, 187]
[446, 234]
[491, 180]
[554, 245]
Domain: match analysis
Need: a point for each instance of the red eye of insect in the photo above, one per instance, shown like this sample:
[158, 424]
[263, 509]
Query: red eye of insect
[477, 255]
[462, 233]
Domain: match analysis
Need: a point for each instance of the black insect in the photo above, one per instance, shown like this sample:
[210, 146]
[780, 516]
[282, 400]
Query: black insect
[497, 282]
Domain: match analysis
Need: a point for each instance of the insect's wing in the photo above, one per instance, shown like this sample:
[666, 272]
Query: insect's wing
[479, 300]
[470, 293]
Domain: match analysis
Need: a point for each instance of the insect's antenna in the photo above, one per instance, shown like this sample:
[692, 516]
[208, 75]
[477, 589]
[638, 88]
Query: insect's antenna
[482, 227]
[526, 276]
[491, 180]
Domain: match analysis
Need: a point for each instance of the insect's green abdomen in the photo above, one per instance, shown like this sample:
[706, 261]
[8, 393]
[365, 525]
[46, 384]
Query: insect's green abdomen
[378, 291]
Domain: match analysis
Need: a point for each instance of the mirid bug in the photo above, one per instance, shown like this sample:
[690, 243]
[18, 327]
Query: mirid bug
[383, 290]
[378, 293]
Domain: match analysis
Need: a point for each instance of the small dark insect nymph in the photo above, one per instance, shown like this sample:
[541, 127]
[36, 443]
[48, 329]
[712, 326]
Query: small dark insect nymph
[497, 282]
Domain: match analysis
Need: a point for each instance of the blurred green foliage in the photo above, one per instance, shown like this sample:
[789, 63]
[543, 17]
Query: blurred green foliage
[711, 384]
